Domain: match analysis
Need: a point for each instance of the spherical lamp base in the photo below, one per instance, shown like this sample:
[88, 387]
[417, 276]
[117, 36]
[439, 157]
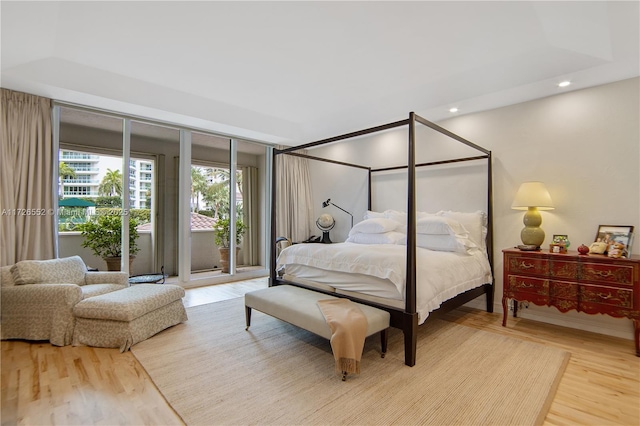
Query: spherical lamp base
[532, 234]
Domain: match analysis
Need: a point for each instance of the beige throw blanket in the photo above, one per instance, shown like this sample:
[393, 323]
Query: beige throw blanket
[348, 331]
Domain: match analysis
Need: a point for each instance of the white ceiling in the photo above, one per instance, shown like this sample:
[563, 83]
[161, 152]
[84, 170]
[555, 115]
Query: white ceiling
[293, 72]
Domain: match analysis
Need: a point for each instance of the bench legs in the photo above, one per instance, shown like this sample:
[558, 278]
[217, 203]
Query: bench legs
[384, 336]
[247, 315]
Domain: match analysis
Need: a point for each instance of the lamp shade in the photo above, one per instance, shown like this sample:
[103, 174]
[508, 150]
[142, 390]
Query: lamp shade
[532, 194]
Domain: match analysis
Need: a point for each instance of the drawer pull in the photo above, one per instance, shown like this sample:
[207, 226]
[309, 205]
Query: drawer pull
[523, 265]
[602, 274]
[605, 297]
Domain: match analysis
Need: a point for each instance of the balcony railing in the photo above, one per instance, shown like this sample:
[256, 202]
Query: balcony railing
[78, 156]
[82, 193]
[91, 182]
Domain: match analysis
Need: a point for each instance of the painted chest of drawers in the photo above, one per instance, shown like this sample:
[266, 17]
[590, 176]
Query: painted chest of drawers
[594, 284]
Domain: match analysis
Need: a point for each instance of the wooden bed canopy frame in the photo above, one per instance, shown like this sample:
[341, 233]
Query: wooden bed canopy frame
[407, 319]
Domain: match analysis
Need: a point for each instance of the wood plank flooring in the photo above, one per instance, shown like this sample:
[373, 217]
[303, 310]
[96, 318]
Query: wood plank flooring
[49, 385]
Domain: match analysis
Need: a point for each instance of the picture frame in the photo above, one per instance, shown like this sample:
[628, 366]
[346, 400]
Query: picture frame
[559, 244]
[610, 234]
[561, 239]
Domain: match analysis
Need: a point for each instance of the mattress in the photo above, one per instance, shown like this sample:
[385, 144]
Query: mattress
[379, 271]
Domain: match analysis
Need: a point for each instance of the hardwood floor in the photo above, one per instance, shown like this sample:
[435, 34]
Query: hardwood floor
[49, 385]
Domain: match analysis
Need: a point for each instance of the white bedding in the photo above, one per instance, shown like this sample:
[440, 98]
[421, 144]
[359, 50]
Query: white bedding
[380, 270]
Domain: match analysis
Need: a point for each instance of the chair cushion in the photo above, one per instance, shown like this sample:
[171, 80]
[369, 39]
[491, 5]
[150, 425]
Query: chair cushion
[69, 270]
[92, 290]
[129, 303]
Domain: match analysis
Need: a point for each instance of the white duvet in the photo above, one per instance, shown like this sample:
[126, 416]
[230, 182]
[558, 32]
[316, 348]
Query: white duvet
[440, 275]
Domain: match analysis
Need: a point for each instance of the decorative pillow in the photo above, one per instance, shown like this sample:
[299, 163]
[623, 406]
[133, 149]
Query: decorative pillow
[391, 237]
[475, 223]
[373, 226]
[444, 243]
[440, 225]
[69, 270]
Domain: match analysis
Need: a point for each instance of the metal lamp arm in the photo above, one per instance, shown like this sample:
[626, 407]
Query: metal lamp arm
[344, 211]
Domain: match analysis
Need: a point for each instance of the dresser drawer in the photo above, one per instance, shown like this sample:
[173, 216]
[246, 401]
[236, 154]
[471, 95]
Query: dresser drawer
[564, 270]
[563, 290]
[526, 284]
[527, 265]
[563, 295]
[609, 296]
[608, 273]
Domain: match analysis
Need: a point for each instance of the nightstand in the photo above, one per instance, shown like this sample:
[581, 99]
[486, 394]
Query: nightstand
[594, 284]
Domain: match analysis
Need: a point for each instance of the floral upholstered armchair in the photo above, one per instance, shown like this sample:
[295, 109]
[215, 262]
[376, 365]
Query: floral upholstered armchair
[38, 296]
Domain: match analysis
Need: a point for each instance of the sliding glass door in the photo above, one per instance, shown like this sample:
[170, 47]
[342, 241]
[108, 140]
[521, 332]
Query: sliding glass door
[182, 196]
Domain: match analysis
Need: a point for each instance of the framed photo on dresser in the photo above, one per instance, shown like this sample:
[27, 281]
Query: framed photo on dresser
[610, 234]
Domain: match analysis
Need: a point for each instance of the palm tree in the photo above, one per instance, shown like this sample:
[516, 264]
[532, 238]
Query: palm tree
[217, 193]
[198, 185]
[64, 172]
[111, 184]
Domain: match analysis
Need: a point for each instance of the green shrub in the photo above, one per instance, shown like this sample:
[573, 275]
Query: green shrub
[223, 231]
[103, 235]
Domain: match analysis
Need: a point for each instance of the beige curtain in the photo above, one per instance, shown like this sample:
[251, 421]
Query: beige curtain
[26, 187]
[294, 209]
[251, 213]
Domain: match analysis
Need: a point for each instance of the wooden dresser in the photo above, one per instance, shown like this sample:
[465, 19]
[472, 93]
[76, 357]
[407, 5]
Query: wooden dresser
[595, 284]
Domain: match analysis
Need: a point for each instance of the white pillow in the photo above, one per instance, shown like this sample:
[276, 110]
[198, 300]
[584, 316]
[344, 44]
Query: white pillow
[372, 215]
[475, 223]
[440, 225]
[398, 216]
[373, 226]
[444, 243]
[422, 215]
[391, 237]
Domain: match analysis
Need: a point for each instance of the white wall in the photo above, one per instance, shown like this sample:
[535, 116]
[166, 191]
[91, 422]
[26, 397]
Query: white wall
[585, 145]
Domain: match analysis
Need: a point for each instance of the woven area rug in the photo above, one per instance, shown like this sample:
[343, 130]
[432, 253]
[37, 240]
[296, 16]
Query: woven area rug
[213, 372]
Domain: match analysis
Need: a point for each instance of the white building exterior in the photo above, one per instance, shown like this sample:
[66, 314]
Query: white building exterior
[91, 169]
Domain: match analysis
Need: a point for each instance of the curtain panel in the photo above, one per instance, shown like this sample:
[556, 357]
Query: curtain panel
[26, 187]
[294, 208]
[251, 209]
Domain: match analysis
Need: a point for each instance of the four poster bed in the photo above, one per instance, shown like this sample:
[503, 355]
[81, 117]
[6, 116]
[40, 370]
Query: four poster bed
[414, 265]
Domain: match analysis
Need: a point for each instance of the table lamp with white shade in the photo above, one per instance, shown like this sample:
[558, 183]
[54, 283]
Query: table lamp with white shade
[532, 197]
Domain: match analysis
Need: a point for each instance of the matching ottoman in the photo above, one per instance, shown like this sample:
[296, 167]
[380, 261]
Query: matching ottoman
[122, 318]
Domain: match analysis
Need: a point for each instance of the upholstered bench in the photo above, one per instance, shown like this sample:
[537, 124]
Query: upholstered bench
[299, 307]
[125, 317]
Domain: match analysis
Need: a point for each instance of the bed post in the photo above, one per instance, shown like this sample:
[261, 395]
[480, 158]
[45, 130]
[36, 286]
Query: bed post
[369, 189]
[490, 290]
[272, 242]
[411, 316]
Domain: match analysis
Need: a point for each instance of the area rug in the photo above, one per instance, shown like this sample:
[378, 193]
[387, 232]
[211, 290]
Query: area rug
[213, 372]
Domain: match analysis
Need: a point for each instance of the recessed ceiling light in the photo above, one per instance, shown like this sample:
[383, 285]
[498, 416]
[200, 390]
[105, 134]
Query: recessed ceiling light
[454, 109]
[564, 83]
